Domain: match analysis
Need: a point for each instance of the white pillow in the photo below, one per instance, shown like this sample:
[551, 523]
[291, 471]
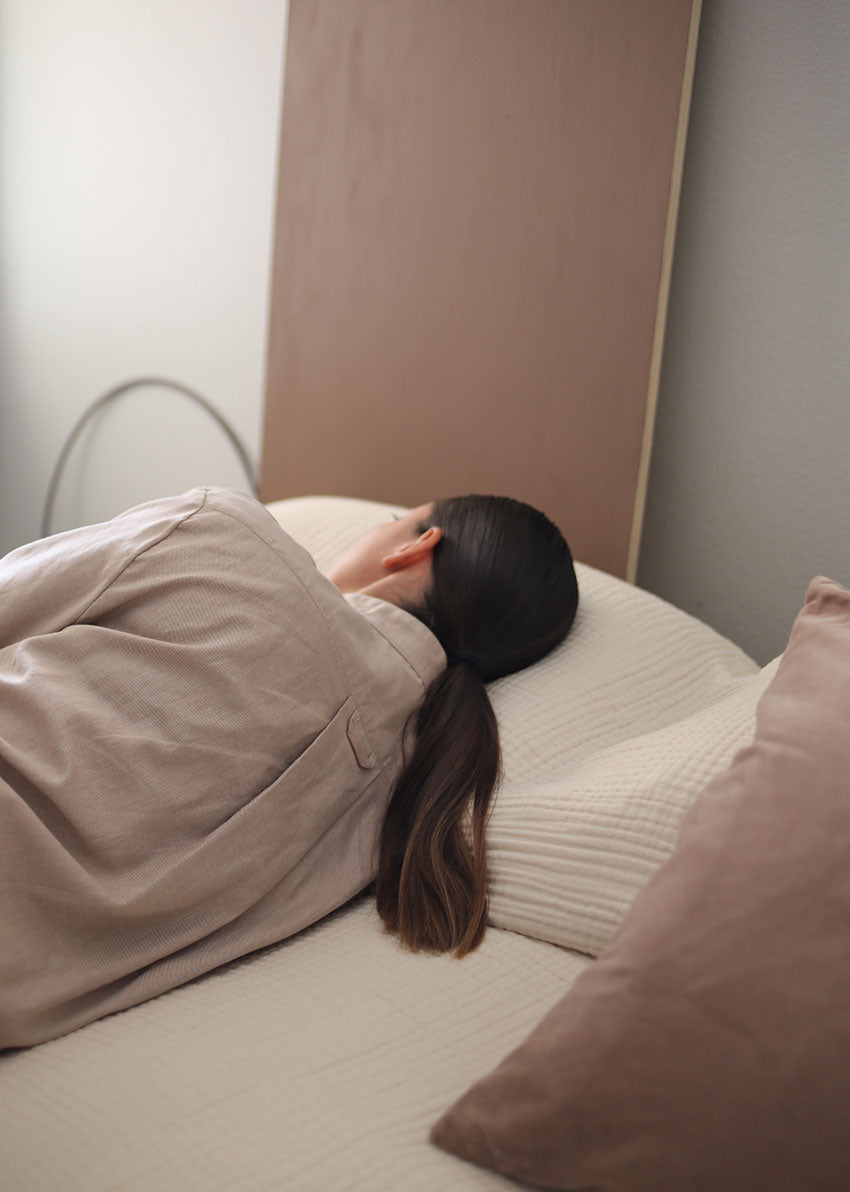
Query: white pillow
[569, 853]
[605, 743]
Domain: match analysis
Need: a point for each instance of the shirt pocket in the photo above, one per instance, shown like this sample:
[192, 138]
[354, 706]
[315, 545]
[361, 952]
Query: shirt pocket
[269, 836]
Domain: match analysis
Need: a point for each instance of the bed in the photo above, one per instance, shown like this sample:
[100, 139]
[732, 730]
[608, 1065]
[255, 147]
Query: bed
[659, 1003]
[325, 1061]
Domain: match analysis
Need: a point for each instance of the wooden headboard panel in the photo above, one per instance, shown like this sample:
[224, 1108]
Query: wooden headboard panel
[475, 220]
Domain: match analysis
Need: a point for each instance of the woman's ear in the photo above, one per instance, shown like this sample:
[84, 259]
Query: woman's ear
[415, 551]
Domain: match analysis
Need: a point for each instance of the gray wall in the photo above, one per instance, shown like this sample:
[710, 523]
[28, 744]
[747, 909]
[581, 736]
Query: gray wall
[749, 491]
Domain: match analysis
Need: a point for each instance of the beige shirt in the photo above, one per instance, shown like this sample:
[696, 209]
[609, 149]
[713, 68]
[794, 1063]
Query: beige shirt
[198, 738]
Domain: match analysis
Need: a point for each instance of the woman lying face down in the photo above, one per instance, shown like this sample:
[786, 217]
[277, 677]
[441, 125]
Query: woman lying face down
[201, 737]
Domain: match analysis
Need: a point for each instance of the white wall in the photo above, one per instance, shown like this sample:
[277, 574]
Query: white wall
[749, 492]
[138, 164]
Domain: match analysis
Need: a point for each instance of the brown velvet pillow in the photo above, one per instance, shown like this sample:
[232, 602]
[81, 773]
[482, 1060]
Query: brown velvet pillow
[708, 1049]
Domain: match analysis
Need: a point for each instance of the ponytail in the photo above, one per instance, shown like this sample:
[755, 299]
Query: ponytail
[503, 594]
[432, 870]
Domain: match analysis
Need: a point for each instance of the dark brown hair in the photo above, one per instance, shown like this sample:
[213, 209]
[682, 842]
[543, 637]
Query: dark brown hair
[503, 594]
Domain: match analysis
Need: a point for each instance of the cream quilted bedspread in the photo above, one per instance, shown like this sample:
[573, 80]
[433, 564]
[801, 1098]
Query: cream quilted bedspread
[317, 1064]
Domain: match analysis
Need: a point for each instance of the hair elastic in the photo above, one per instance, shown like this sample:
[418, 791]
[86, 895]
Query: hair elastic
[468, 658]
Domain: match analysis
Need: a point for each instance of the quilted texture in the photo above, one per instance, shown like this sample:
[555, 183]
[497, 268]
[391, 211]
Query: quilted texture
[605, 743]
[317, 1065]
[569, 854]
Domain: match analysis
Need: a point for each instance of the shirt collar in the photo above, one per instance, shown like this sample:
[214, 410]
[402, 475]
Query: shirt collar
[405, 633]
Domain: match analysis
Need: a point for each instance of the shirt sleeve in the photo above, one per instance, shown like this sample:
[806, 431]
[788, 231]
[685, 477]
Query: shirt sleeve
[48, 584]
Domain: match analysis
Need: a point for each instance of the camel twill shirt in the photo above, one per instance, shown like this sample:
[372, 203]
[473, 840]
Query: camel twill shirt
[199, 735]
